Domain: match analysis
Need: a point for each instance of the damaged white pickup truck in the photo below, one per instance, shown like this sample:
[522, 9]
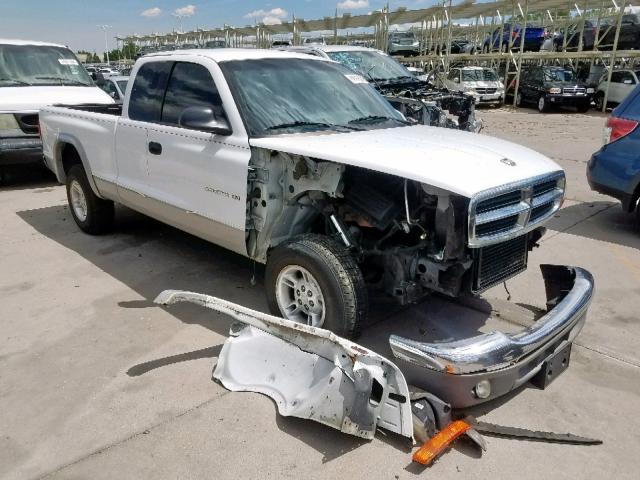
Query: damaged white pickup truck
[299, 164]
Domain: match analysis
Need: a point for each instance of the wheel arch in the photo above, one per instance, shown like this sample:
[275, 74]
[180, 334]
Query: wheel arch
[68, 151]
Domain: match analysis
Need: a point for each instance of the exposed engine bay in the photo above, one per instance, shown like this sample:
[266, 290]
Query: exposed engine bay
[428, 105]
[408, 238]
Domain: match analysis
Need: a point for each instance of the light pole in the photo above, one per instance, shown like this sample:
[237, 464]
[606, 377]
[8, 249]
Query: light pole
[179, 16]
[104, 28]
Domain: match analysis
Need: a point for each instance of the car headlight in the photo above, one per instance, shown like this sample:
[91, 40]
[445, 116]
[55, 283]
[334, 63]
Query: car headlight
[415, 44]
[555, 90]
[8, 122]
[590, 90]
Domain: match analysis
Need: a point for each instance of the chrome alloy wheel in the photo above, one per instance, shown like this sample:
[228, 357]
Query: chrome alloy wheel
[78, 201]
[299, 296]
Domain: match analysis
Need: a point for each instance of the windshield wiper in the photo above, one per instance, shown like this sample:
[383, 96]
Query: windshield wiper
[65, 81]
[301, 123]
[19, 82]
[378, 118]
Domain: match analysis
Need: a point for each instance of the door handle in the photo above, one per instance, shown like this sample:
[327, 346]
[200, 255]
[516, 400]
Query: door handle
[155, 148]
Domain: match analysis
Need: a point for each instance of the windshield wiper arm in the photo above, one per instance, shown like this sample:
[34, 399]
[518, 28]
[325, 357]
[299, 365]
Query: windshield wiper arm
[378, 118]
[64, 81]
[19, 82]
[310, 124]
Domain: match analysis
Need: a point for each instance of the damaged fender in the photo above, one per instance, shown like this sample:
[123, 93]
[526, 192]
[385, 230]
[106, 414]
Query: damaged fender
[309, 372]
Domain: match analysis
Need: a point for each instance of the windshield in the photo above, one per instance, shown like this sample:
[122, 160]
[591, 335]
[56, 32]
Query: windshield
[371, 65]
[558, 75]
[479, 75]
[402, 36]
[273, 96]
[40, 65]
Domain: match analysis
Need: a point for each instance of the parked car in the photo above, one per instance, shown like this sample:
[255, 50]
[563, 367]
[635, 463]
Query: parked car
[629, 37]
[314, 41]
[115, 87]
[403, 43]
[549, 86]
[615, 169]
[188, 46]
[107, 72]
[480, 82]
[215, 44]
[573, 38]
[413, 96]
[336, 193]
[32, 75]
[623, 82]
[534, 38]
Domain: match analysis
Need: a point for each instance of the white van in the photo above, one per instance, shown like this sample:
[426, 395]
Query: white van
[34, 75]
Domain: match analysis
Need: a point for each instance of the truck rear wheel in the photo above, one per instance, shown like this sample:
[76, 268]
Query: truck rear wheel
[314, 280]
[91, 213]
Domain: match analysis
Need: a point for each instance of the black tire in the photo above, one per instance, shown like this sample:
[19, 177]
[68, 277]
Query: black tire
[543, 105]
[99, 213]
[337, 274]
[584, 107]
[519, 100]
[599, 100]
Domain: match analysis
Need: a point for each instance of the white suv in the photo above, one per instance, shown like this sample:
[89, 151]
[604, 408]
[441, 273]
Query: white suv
[622, 82]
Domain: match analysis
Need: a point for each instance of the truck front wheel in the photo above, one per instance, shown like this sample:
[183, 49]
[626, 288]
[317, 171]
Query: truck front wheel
[91, 213]
[314, 280]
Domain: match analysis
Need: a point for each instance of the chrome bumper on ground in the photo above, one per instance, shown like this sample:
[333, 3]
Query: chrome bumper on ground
[505, 360]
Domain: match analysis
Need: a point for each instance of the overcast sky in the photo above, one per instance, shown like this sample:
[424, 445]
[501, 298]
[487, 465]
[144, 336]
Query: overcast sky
[74, 22]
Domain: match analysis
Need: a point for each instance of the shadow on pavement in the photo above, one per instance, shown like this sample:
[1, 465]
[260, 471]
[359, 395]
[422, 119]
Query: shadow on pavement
[21, 177]
[602, 221]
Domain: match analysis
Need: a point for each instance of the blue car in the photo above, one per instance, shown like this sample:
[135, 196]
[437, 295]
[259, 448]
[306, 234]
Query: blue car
[615, 169]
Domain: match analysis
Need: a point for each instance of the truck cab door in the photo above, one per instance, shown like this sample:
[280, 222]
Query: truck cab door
[199, 177]
[131, 142]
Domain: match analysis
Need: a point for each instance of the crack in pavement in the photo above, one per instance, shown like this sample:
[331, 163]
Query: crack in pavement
[608, 355]
[130, 437]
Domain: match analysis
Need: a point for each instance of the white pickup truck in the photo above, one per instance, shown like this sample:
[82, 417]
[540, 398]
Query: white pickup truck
[33, 75]
[298, 163]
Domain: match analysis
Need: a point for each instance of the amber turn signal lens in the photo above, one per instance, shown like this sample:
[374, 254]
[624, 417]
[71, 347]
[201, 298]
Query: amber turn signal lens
[437, 444]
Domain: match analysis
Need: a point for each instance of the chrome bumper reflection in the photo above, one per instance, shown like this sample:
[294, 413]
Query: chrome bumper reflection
[569, 291]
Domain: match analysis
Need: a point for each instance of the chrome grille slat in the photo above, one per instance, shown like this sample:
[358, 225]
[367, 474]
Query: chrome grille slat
[506, 212]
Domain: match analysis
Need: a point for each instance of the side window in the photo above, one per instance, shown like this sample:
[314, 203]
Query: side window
[148, 89]
[453, 74]
[616, 77]
[627, 77]
[111, 90]
[190, 85]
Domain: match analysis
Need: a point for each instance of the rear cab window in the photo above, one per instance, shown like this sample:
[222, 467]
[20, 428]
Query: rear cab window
[147, 93]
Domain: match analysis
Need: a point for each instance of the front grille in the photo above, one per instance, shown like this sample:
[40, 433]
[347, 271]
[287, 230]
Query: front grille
[28, 122]
[494, 264]
[504, 200]
[574, 91]
[506, 212]
[486, 90]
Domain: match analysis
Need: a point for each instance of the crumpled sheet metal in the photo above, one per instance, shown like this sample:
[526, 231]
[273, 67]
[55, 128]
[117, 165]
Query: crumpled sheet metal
[309, 372]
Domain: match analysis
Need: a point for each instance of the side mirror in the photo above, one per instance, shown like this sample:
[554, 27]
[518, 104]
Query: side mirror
[203, 119]
[456, 80]
[113, 95]
[628, 81]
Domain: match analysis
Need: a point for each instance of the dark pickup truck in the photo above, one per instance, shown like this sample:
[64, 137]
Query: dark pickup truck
[548, 86]
[629, 38]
